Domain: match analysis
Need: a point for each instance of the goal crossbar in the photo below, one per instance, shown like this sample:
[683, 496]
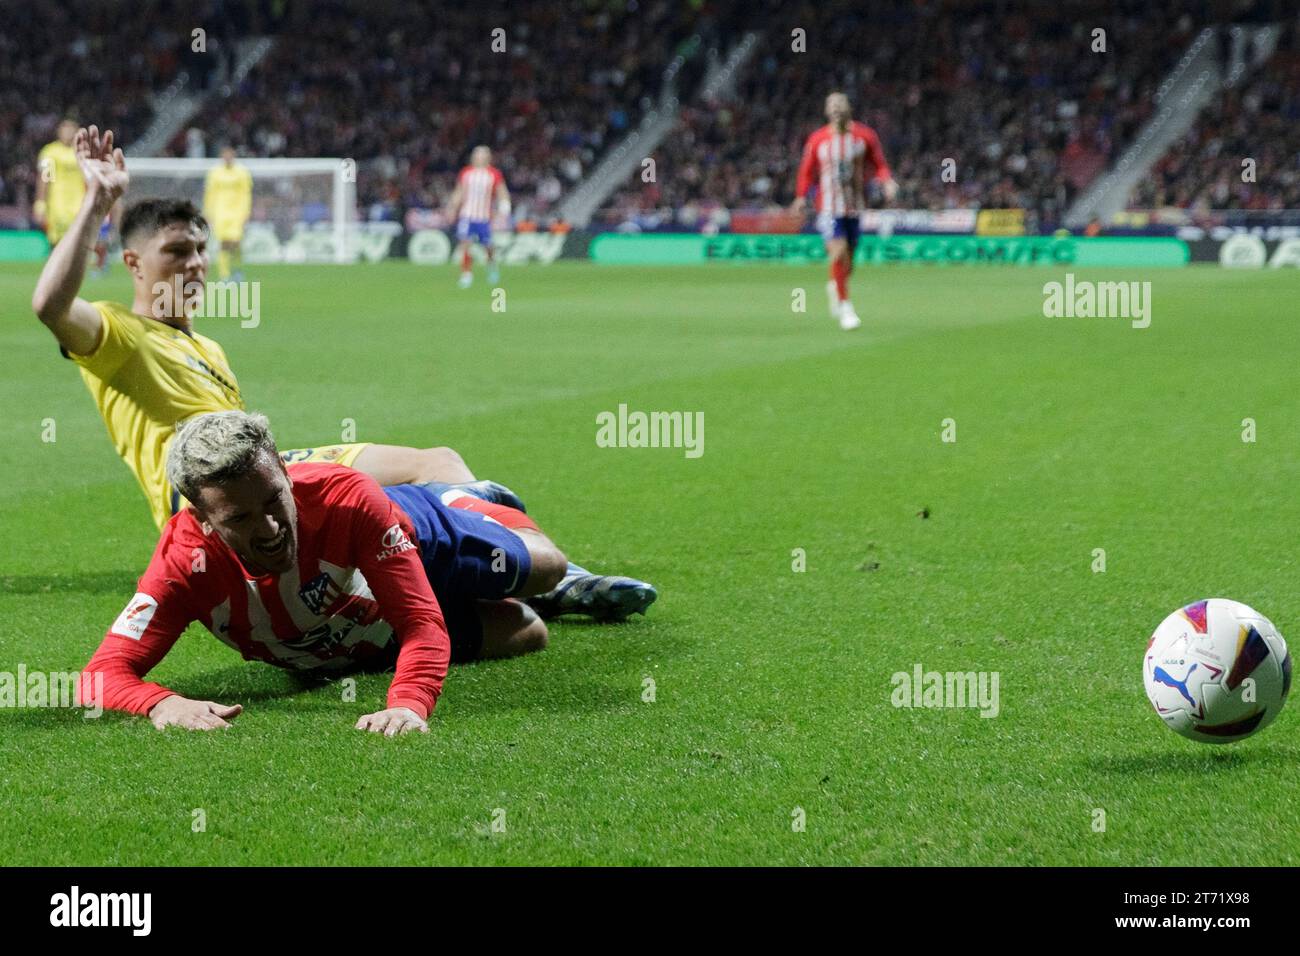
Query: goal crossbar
[342, 172]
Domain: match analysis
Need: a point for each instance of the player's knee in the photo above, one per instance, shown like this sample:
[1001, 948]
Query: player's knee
[534, 636]
[549, 564]
[511, 628]
[529, 630]
[444, 456]
[553, 566]
[439, 464]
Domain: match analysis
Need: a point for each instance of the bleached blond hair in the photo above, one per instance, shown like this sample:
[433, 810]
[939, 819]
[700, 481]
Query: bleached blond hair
[215, 448]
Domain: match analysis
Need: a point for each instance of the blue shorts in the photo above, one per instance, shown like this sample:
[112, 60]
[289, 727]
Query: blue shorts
[839, 227]
[480, 232]
[467, 556]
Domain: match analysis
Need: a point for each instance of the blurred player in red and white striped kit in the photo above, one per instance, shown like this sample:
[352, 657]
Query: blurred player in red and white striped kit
[839, 159]
[479, 188]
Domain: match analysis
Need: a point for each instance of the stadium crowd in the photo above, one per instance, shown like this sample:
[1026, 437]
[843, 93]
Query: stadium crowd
[408, 89]
[1259, 120]
[98, 63]
[405, 89]
[1014, 94]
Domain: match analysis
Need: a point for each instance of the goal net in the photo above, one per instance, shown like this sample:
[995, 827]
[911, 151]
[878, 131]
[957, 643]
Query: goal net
[304, 210]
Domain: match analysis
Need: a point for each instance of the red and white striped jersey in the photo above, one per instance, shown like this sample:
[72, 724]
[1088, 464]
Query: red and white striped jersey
[357, 593]
[839, 165]
[478, 185]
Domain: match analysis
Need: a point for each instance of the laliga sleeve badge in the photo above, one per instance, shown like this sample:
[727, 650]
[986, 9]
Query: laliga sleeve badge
[135, 617]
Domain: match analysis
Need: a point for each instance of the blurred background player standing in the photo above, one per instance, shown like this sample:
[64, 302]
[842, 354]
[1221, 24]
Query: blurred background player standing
[839, 159]
[477, 187]
[227, 204]
[59, 184]
[101, 241]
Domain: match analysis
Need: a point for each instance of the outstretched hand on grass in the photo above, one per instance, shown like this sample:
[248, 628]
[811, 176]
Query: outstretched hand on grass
[180, 711]
[393, 721]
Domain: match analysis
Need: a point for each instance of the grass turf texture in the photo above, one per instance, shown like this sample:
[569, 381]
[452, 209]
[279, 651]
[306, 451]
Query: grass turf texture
[772, 686]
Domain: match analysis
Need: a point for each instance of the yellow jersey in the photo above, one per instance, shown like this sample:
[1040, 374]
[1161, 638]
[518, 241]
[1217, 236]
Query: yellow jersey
[146, 377]
[228, 193]
[66, 187]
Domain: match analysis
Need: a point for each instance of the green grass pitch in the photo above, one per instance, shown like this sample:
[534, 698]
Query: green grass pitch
[771, 686]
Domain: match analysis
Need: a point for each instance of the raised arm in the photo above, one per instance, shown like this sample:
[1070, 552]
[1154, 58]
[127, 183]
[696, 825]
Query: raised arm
[74, 321]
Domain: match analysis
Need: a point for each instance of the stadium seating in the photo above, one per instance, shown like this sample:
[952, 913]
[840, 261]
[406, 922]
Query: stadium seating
[105, 71]
[408, 89]
[1259, 119]
[1014, 95]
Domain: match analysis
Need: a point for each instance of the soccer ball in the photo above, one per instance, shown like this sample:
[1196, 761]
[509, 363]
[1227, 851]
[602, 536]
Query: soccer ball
[1217, 671]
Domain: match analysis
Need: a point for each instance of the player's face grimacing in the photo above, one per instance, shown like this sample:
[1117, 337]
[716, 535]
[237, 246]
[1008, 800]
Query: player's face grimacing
[255, 516]
[176, 253]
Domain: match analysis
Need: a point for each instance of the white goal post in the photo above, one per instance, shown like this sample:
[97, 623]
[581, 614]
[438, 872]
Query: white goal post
[292, 198]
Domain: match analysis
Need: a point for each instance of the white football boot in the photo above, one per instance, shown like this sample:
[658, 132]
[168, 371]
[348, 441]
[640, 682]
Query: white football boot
[848, 316]
[834, 298]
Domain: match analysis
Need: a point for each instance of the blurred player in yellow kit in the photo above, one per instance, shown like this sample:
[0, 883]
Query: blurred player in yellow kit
[59, 185]
[227, 204]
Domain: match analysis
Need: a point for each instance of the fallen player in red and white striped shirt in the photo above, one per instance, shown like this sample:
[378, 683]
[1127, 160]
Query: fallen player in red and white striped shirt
[315, 567]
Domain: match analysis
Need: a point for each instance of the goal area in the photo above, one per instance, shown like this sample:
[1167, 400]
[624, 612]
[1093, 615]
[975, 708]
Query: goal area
[304, 210]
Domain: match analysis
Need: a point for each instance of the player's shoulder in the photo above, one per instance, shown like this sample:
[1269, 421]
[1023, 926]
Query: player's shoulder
[55, 154]
[819, 134]
[209, 344]
[182, 529]
[330, 495]
[182, 539]
[189, 564]
[114, 309]
[119, 316]
[329, 482]
[862, 130]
